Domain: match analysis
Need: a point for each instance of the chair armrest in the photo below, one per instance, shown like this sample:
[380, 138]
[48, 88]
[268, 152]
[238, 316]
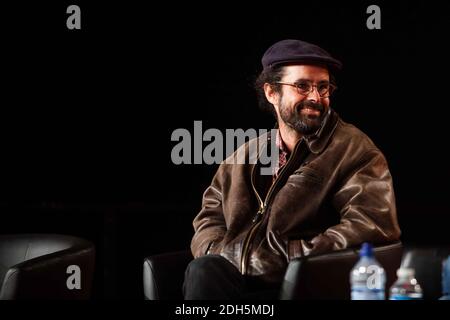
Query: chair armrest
[327, 276]
[45, 277]
[163, 275]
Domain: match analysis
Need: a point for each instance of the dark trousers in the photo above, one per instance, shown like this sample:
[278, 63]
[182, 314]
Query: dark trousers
[213, 277]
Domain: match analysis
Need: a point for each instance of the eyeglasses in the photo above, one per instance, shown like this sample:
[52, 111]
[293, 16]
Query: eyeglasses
[325, 89]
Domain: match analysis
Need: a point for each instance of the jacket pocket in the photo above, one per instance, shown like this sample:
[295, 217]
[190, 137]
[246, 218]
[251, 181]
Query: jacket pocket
[306, 178]
[308, 174]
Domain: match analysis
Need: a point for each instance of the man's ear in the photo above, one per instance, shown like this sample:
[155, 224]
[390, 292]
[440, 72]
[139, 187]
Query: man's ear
[271, 95]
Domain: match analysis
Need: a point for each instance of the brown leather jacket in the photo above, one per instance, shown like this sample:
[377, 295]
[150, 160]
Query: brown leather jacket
[334, 192]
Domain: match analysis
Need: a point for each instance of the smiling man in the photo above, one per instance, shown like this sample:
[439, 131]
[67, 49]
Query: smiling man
[331, 188]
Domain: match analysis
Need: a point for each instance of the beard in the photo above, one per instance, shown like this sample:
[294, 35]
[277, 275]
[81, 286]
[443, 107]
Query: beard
[305, 123]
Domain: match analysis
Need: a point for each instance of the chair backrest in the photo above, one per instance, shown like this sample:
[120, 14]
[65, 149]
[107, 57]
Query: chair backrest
[17, 248]
[37, 265]
[327, 276]
[427, 263]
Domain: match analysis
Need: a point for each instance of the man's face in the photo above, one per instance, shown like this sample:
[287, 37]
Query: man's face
[302, 112]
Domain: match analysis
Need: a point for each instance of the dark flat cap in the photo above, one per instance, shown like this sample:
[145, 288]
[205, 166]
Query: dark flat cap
[298, 52]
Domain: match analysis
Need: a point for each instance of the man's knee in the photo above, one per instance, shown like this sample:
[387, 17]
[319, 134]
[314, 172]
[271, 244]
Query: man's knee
[212, 277]
[207, 264]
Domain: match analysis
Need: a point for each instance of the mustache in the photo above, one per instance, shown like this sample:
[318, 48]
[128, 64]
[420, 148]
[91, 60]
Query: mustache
[309, 104]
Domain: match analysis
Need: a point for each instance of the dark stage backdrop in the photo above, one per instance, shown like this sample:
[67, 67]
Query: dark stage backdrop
[87, 115]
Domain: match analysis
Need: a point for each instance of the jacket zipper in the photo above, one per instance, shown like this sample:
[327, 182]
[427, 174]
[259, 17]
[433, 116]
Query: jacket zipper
[257, 220]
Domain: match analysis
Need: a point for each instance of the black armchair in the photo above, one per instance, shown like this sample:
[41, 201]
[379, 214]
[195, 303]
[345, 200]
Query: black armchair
[35, 266]
[327, 276]
[319, 277]
[164, 275]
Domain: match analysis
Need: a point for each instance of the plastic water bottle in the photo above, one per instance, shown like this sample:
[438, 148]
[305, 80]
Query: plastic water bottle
[446, 279]
[406, 287]
[367, 278]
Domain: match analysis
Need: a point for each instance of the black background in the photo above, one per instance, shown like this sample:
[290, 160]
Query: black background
[87, 115]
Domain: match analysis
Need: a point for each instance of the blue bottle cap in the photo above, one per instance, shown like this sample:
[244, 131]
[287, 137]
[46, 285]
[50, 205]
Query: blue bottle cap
[366, 250]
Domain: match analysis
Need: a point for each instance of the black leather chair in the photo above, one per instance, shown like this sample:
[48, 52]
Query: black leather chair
[316, 277]
[35, 266]
[164, 275]
[327, 276]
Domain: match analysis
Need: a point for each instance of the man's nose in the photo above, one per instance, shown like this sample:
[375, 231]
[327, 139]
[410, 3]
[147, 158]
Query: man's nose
[314, 95]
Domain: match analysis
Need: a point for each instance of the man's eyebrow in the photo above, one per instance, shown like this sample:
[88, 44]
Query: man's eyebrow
[309, 80]
[302, 79]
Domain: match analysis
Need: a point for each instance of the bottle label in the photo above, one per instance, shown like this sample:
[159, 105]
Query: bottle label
[363, 293]
[405, 297]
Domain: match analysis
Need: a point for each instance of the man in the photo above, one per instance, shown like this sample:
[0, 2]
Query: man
[331, 190]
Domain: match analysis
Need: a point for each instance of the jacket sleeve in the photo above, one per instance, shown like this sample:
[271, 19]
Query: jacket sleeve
[366, 203]
[209, 224]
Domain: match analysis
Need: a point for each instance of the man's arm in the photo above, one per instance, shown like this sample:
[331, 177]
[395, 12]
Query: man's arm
[366, 203]
[209, 224]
